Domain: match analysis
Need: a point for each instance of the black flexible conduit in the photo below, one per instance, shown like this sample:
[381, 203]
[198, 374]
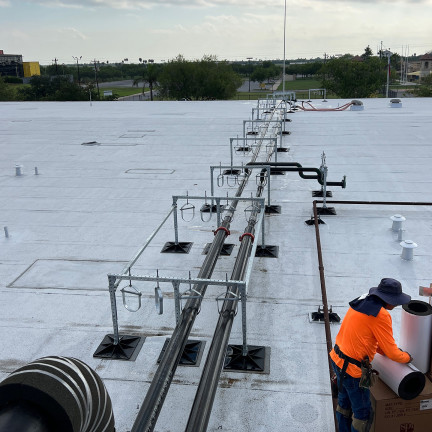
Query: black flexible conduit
[153, 402]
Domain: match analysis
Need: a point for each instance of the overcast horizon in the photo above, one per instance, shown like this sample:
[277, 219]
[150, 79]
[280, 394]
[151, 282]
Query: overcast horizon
[113, 30]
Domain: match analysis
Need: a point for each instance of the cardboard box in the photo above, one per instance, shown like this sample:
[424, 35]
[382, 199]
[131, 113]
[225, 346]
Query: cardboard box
[393, 414]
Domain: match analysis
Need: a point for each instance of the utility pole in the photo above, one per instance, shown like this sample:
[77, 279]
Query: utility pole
[249, 59]
[77, 59]
[388, 54]
[56, 67]
[283, 78]
[96, 77]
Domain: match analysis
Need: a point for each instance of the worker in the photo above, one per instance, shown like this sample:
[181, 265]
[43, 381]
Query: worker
[365, 330]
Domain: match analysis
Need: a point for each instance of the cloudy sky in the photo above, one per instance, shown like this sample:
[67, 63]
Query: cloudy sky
[112, 30]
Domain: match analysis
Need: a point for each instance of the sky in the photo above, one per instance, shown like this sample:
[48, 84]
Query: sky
[114, 30]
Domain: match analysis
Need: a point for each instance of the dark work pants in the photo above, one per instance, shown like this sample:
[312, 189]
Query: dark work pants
[352, 397]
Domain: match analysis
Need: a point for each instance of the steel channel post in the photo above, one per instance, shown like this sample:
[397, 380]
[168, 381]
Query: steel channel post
[325, 169]
[211, 182]
[176, 286]
[275, 150]
[280, 134]
[244, 329]
[112, 291]
[231, 150]
[218, 212]
[268, 183]
[175, 221]
[244, 128]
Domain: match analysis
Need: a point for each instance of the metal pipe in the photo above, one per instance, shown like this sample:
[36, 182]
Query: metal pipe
[152, 404]
[204, 397]
[329, 342]
[296, 167]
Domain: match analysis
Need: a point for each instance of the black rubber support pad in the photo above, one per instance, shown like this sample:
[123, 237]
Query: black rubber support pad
[227, 249]
[191, 355]
[267, 251]
[320, 193]
[124, 350]
[180, 247]
[254, 361]
[326, 211]
[272, 209]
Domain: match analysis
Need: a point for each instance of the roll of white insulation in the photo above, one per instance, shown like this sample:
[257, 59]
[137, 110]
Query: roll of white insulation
[403, 378]
[416, 333]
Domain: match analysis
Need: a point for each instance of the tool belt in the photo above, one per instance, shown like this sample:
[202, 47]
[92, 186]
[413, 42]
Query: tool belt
[368, 374]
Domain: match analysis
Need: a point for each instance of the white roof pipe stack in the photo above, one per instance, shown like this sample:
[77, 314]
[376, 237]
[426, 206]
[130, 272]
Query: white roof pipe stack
[416, 333]
[408, 247]
[397, 222]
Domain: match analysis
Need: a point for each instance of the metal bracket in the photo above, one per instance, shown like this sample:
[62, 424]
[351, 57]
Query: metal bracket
[135, 292]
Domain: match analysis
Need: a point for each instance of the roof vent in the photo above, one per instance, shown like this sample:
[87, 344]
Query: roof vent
[356, 105]
[397, 222]
[18, 170]
[408, 247]
[395, 103]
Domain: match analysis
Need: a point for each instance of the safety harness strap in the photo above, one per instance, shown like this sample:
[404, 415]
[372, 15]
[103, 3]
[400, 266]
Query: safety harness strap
[347, 361]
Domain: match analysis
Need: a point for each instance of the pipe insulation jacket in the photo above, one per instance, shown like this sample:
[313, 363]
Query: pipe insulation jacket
[416, 333]
[403, 378]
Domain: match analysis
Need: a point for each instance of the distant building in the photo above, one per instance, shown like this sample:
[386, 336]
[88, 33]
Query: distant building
[425, 65]
[31, 68]
[13, 65]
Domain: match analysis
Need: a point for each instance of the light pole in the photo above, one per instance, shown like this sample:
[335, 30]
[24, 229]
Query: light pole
[283, 78]
[388, 54]
[77, 59]
[249, 70]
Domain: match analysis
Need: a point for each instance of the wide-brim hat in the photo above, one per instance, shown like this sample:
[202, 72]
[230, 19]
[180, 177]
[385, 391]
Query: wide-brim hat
[390, 291]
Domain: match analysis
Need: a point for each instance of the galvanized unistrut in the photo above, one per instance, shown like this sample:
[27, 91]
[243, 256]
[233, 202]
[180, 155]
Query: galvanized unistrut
[153, 402]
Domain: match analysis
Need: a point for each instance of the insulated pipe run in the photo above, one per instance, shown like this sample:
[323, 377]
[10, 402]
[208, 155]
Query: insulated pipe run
[153, 402]
[204, 398]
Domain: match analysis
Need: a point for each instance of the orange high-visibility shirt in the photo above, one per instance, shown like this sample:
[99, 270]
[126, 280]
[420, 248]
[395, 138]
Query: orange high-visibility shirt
[363, 335]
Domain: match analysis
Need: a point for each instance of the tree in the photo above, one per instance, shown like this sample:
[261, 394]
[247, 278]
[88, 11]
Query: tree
[367, 54]
[6, 91]
[425, 87]
[202, 79]
[150, 75]
[45, 88]
[349, 78]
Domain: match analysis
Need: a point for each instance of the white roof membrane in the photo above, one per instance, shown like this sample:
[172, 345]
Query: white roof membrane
[91, 207]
